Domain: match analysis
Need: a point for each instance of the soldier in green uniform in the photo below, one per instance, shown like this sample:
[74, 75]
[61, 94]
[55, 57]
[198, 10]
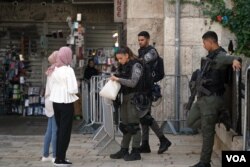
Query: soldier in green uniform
[129, 74]
[204, 112]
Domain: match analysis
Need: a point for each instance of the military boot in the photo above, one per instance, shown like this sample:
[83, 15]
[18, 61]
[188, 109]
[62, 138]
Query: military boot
[120, 154]
[202, 164]
[164, 144]
[145, 148]
[133, 156]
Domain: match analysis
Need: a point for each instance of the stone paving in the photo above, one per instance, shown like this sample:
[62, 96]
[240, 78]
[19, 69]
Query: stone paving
[21, 142]
[25, 151]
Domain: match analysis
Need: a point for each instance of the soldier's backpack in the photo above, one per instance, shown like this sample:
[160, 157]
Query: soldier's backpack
[158, 69]
[152, 73]
[155, 69]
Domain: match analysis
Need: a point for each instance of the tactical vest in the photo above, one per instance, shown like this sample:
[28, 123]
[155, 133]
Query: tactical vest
[125, 72]
[215, 78]
[147, 81]
[215, 81]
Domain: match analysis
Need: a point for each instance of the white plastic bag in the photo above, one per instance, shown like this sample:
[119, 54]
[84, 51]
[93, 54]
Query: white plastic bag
[110, 90]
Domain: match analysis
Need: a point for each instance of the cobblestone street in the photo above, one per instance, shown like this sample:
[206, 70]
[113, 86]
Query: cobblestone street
[25, 150]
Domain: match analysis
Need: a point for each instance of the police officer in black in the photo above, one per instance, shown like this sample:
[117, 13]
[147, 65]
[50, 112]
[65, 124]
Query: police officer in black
[148, 55]
[129, 73]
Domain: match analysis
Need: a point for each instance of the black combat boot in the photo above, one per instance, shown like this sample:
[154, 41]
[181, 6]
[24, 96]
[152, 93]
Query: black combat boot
[202, 164]
[145, 148]
[164, 144]
[120, 154]
[133, 156]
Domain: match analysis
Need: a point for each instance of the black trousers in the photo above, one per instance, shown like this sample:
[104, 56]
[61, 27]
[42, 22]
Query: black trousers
[64, 118]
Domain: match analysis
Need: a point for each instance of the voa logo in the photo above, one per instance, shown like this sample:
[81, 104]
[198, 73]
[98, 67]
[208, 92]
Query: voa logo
[236, 158]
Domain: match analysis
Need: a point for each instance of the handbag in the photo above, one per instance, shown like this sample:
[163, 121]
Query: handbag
[110, 90]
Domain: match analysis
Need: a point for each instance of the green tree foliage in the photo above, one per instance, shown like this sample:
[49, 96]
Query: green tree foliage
[236, 19]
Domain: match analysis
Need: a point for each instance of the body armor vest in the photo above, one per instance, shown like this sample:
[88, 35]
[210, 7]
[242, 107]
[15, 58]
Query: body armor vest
[215, 78]
[125, 72]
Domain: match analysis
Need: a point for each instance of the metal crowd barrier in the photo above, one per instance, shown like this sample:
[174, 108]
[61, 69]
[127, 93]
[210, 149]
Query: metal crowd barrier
[107, 142]
[98, 115]
[236, 113]
[174, 122]
[246, 130]
[165, 111]
[92, 104]
[85, 104]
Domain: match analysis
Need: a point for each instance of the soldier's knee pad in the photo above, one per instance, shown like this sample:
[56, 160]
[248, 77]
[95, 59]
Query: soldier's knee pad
[147, 120]
[123, 128]
[133, 128]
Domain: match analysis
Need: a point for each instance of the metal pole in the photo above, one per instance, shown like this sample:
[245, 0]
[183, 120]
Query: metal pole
[177, 64]
[246, 131]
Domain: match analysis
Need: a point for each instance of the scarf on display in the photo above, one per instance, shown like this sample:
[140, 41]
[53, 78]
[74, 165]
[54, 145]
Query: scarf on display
[52, 60]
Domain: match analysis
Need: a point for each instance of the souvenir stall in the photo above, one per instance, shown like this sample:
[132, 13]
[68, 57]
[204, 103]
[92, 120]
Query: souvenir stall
[34, 31]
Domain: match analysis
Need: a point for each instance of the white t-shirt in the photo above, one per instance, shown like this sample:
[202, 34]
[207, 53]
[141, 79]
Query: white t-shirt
[63, 85]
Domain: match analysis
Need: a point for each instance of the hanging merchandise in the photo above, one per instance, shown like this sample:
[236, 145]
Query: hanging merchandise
[79, 53]
[74, 61]
[79, 17]
[103, 58]
[15, 97]
[13, 80]
[81, 63]
[76, 25]
[70, 40]
[34, 102]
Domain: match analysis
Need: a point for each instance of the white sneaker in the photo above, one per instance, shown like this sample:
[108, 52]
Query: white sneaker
[53, 160]
[46, 159]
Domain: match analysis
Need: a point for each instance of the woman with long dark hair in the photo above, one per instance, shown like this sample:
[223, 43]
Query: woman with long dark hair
[128, 75]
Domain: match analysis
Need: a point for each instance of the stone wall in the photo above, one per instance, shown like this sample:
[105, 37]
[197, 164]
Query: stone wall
[158, 18]
[193, 26]
[145, 15]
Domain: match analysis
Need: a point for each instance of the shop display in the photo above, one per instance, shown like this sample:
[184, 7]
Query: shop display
[103, 58]
[17, 97]
[34, 102]
[12, 72]
[18, 76]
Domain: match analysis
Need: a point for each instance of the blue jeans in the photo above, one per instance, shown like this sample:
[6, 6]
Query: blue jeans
[50, 137]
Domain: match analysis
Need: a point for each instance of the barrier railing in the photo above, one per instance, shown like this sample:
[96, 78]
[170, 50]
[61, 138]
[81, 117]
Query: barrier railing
[246, 130]
[92, 102]
[236, 112]
[98, 111]
[165, 112]
[85, 105]
[174, 122]
[107, 142]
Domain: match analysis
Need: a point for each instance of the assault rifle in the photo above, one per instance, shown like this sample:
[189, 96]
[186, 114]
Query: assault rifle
[197, 81]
